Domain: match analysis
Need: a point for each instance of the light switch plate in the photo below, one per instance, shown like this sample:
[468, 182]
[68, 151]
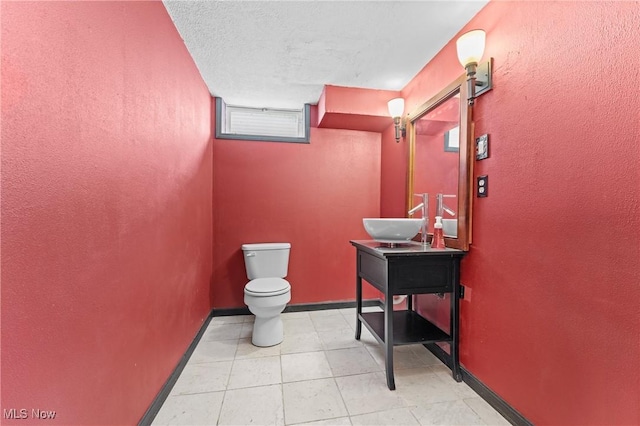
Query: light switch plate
[483, 186]
[482, 147]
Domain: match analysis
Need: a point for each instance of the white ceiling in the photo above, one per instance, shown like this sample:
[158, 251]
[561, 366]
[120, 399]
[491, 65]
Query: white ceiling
[280, 54]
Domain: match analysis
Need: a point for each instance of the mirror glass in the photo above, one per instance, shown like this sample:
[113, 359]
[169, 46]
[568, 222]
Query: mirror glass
[437, 156]
[439, 162]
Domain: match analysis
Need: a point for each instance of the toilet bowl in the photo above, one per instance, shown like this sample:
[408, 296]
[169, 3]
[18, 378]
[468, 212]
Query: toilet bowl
[266, 299]
[268, 293]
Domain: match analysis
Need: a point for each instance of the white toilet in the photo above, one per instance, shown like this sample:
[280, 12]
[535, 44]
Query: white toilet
[268, 292]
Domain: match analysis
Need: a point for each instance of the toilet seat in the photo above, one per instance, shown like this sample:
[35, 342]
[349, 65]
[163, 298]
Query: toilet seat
[266, 287]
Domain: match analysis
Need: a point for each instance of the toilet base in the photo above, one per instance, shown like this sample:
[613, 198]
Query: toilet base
[267, 327]
[267, 331]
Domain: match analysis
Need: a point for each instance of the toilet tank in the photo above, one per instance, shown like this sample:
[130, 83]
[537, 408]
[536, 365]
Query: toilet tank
[266, 260]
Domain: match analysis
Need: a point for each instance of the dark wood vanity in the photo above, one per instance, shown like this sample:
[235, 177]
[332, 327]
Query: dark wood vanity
[408, 269]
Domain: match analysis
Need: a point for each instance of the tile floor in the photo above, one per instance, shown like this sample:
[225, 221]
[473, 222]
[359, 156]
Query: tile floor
[319, 375]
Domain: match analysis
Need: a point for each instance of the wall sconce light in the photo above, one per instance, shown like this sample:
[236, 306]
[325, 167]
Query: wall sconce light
[470, 47]
[396, 109]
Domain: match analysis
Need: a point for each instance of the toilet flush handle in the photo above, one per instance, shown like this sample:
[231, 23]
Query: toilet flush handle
[251, 254]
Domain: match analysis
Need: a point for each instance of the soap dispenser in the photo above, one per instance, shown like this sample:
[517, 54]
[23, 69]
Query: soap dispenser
[438, 235]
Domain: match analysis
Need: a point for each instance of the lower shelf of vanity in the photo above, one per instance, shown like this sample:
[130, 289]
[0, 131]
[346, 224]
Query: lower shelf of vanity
[408, 328]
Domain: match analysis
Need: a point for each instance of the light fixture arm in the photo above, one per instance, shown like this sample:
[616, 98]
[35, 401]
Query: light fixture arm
[396, 109]
[401, 130]
[471, 81]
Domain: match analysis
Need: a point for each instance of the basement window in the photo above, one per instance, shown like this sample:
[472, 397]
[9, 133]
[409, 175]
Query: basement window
[262, 124]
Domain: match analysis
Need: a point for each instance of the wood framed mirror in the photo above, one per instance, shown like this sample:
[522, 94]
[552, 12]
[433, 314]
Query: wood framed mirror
[441, 154]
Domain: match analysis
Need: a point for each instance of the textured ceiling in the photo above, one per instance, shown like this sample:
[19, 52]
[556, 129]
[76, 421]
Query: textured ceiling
[280, 54]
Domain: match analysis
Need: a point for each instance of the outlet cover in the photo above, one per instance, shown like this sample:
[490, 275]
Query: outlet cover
[483, 186]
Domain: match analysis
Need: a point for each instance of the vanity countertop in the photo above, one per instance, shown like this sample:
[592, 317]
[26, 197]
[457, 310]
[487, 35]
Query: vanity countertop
[411, 248]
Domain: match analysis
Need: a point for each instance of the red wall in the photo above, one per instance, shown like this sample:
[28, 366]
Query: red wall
[106, 207]
[311, 195]
[393, 177]
[354, 108]
[551, 319]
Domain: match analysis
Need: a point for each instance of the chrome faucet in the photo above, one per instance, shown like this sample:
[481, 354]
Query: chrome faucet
[424, 208]
[441, 206]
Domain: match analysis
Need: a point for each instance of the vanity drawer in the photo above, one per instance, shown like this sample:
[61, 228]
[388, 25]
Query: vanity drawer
[419, 274]
[373, 269]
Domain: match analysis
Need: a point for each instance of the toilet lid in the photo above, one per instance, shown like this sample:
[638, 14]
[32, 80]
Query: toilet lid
[266, 286]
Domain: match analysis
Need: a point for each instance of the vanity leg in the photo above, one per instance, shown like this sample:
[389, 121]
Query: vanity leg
[388, 340]
[410, 302]
[358, 305]
[455, 326]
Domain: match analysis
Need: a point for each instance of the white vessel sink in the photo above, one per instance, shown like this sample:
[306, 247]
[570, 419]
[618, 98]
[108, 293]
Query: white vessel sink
[392, 230]
[450, 227]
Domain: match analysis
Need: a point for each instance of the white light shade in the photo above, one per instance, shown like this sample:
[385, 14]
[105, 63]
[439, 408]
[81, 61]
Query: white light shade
[396, 107]
[470, 47]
